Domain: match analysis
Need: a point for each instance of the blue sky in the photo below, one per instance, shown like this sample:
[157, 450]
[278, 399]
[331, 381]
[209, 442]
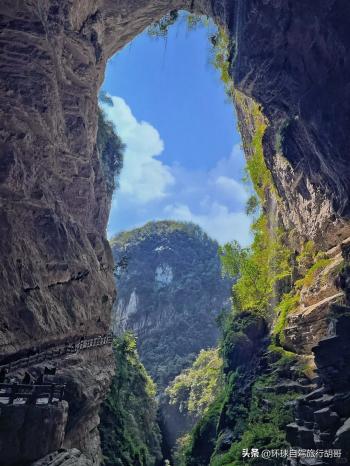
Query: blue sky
[183, 159]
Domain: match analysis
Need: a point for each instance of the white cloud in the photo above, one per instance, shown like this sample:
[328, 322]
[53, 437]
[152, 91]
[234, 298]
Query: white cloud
[219, 222]
[151, 190]
[144, 178]
[231, 164]
[232, 188]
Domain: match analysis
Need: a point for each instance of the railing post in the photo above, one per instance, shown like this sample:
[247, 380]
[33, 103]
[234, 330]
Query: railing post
[31, 398]
[51, 393]
[55, 352]
[11, 395]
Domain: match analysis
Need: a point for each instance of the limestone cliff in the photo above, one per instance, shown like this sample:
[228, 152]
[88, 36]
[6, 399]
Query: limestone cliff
[169, 294]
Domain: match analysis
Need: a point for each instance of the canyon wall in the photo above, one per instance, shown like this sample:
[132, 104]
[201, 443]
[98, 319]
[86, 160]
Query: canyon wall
[56, 278]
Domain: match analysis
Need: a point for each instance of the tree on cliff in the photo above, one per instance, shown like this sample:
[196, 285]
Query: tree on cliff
[111, 150]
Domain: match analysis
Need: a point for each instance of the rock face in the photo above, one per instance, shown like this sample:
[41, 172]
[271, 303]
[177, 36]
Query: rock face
[243, 353]
[169, 295]
[322, 416]
[63, 457]
[290, 57]
[21, 427]
[313, 319]
[56, 278]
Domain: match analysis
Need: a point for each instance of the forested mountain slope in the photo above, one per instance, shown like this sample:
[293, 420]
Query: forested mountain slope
[169, 294]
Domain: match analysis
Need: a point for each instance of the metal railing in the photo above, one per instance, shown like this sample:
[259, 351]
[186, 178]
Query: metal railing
[57, 352]
[18, 394]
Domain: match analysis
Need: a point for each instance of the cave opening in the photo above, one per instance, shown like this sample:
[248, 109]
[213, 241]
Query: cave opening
[165, 96]
[183, 171]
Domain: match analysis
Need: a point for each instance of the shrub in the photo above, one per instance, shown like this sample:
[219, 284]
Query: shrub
[160, 28]
[308, 278]
[111, 151]
[257, 268]
[195, 388]
[289, 302]
[252, 205]
[221, 52]
[306, 257]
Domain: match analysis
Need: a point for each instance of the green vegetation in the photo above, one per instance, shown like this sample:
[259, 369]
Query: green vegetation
[310, 262]
[269, 413]
[252, 205]
[306, 257]
[288, 303]
[192, 451]
[258, 172]
[193, 392]
[195, 388]
[236, 402]
[321, 263]
[193, 21]
[245, 416]
[172, 292]
[111, 151]
[256, 165]
[129, 431]
[262, 268]
[220, 41]
[164, 227]
[235, 345]
[264, 414]
[254, 416]
[268, 261]
[258, 268]
[161, 27]
[221, 52]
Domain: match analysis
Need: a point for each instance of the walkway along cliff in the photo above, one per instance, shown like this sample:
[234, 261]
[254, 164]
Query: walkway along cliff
[291, 58]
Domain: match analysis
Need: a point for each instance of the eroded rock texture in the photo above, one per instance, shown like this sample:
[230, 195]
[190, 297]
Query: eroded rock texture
[291, 58]
[56, 277]
[322, 417]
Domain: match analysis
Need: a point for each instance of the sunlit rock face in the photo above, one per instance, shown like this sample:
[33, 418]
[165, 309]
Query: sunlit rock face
[163, 275]
[56, 278]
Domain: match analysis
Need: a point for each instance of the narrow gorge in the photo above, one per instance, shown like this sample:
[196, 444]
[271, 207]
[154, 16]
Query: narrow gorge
[285, 349]
[170, 296]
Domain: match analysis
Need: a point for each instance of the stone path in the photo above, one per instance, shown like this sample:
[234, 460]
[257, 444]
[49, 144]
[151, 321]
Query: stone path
[57, 352]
